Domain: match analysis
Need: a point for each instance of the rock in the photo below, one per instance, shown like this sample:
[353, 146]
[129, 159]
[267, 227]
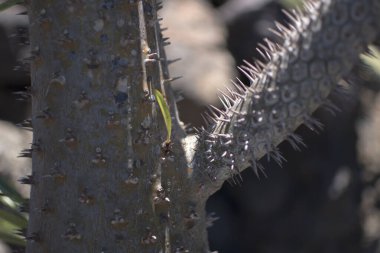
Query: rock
[368, 133]
[4, 248]
[199, 39]
[12, 141]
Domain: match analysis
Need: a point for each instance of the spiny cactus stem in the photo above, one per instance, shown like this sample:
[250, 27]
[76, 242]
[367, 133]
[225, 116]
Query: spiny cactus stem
[320, 47]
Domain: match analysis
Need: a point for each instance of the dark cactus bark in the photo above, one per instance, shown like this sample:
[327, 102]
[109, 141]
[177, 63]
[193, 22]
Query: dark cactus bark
[102, 181]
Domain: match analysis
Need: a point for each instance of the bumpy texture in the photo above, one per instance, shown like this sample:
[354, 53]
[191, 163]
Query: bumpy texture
[320, 47]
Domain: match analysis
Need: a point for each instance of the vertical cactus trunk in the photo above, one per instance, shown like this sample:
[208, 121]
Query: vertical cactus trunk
[102, 181]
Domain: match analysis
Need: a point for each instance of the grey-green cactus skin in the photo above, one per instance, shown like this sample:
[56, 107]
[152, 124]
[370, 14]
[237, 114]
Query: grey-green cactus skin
[320, 47]
[102, 179]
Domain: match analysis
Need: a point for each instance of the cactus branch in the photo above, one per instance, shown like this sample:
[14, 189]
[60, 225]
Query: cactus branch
[321, 44]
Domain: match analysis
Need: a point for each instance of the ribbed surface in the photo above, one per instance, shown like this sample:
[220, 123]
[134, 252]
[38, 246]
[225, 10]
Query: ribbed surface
[320, 46]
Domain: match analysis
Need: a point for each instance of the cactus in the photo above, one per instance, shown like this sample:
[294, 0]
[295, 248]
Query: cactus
[105, 178]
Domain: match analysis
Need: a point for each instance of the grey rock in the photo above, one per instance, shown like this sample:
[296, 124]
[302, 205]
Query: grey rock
[198, 37]
[12, 141]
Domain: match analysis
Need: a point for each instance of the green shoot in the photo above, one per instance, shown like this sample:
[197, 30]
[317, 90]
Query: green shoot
[165, 113]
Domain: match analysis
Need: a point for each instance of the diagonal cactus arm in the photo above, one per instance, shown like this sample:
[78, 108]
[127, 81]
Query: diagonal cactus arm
[320, 47]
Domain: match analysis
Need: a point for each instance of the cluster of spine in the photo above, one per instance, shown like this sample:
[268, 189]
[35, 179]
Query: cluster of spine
[320, 46]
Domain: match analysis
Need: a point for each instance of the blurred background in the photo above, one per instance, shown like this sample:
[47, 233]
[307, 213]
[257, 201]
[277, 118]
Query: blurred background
[325, 199]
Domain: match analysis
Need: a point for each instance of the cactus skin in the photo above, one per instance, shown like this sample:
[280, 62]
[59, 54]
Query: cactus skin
[320, 47]
[101, 181]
